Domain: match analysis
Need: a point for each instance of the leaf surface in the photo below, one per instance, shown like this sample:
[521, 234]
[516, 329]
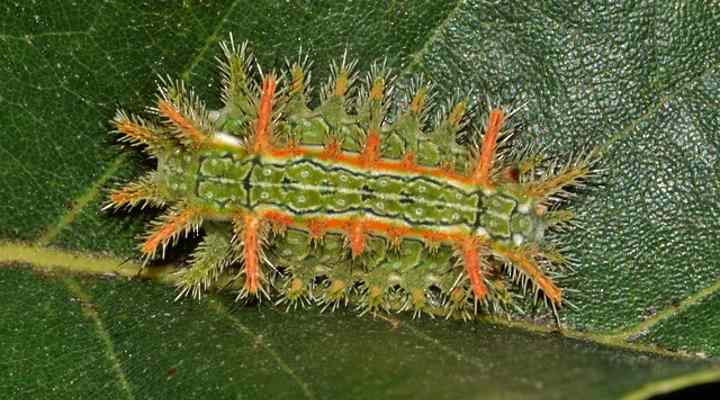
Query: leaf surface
[638, 79]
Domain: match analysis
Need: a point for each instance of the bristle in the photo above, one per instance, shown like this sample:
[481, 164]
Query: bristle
[300, 75]
[525, 269]
[420, 98]
[558, 219]
[143, 191]
[336, 294]
[457, 114]
[136, 131]
[237, 81]
[208, 262]
[342, 78]
[450, 123]
[414, 98]
[553, 184]
[372, 104]
[295, 292]
[184, 113]
[169, 227]
[338, 286]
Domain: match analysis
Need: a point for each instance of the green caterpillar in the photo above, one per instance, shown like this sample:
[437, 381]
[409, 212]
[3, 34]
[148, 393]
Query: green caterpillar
[354, 200]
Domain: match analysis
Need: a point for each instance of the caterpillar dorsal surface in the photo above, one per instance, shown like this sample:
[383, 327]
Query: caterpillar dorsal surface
[363, 199]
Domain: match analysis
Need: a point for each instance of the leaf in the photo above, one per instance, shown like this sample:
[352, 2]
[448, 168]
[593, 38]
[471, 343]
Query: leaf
[128, 339]
[638, 79]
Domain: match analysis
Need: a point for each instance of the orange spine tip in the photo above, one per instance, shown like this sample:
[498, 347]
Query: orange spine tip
[251, 250]
[408, 161]
[471, 259]
[316, 229]
[433, 237]
[262, 126]
[331, 150]
[487, 152]
[184, 125]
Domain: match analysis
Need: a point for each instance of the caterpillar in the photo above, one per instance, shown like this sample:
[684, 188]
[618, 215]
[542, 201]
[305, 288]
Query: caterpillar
[363, 199]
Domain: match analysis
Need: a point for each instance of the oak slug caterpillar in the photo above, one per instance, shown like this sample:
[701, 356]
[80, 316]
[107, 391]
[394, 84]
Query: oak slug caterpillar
[361, 199]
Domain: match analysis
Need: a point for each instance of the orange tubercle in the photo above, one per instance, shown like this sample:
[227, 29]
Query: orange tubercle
[251, 250]
[356, 235]
[472, 262]
[316, 228]
[278, 217]
[331, 150]
[408, 161]
[280, 222]
[484, 165]
[262, 141]
[371, 152]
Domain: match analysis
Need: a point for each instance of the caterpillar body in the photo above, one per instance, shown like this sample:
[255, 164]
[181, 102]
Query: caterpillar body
[355, 200]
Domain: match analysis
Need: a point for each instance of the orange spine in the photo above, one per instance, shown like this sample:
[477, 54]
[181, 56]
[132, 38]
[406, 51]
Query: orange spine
[186, 127]
[487, 152]
[371, 152]
[251, 248]
[471, 259]
[262, 126]
[173, 226]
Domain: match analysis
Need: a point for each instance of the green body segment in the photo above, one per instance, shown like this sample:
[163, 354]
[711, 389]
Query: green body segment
[305, 186]
[228, 182]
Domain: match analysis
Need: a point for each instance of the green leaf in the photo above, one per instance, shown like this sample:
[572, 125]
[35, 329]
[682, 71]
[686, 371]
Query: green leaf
[641, 80]
[129, 339]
